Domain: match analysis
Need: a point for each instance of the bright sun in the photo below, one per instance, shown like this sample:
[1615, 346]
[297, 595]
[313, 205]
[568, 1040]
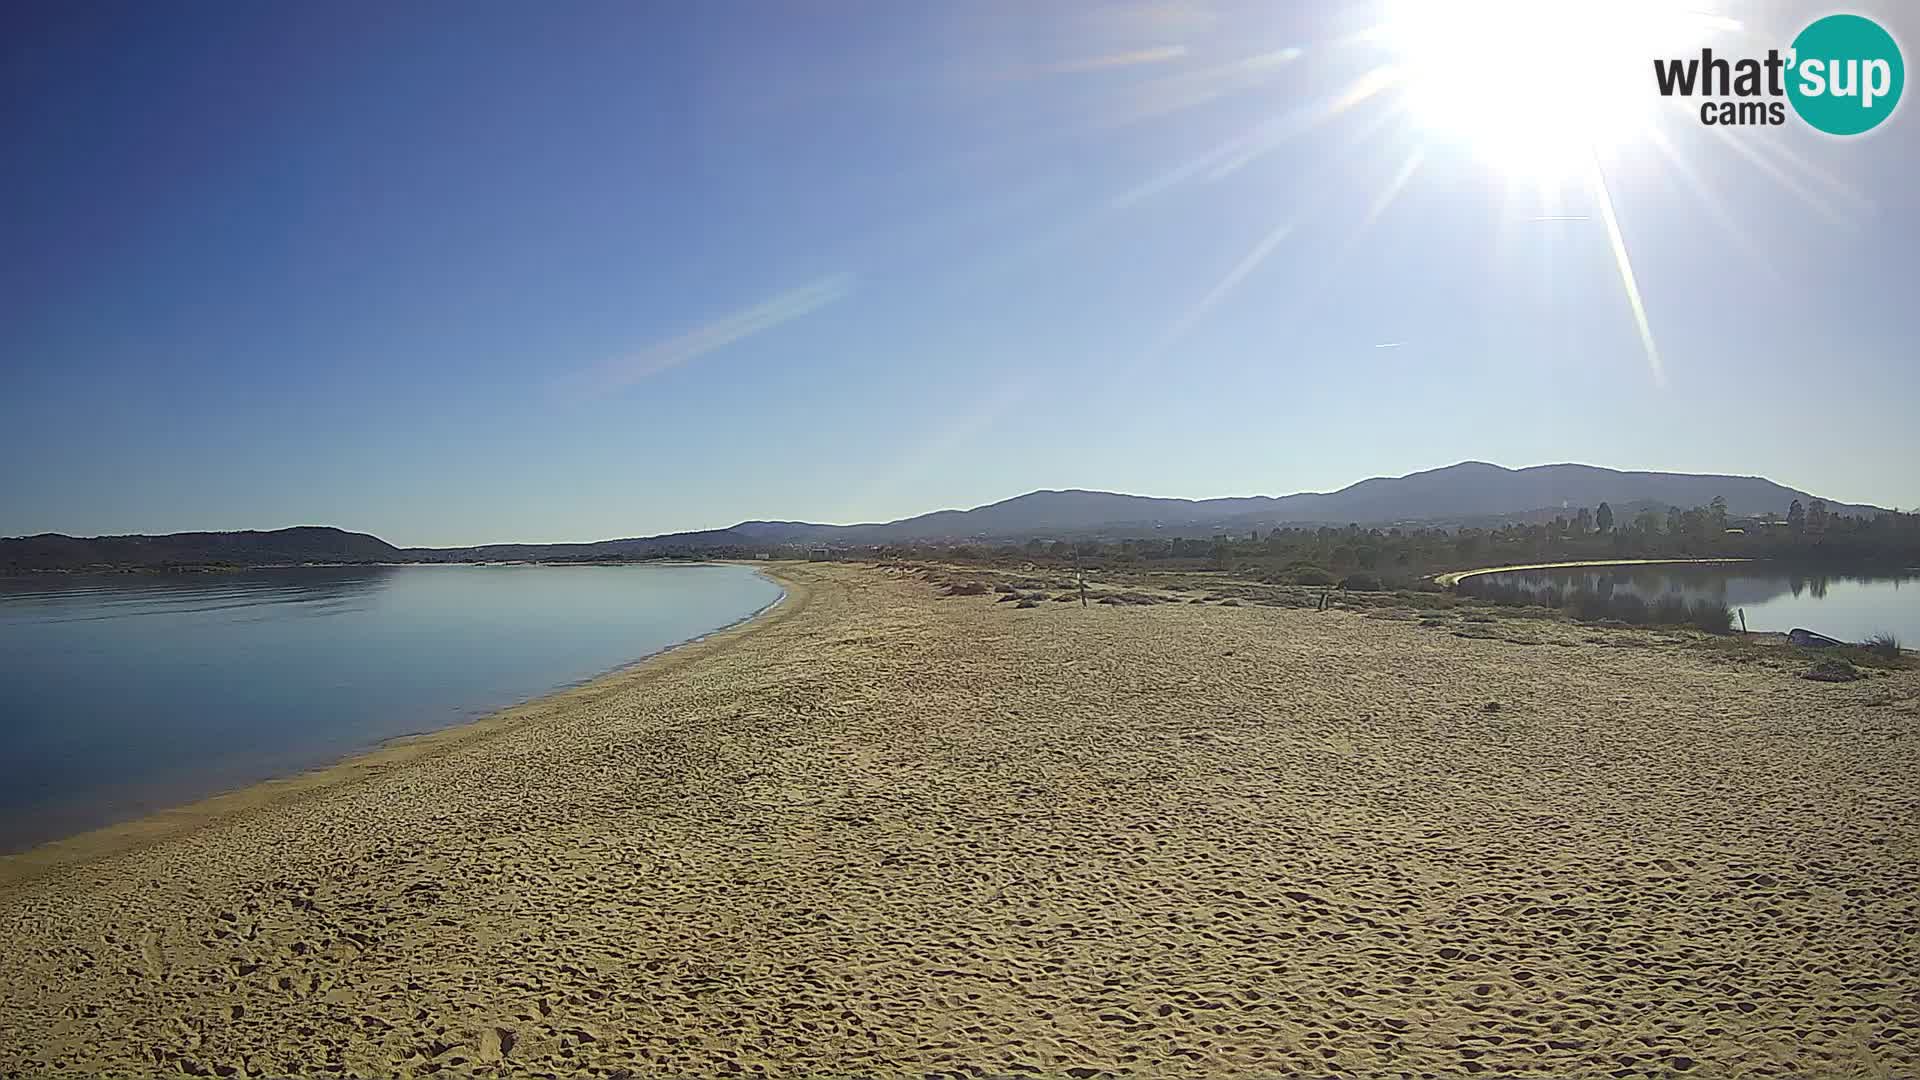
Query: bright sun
[1537, 88]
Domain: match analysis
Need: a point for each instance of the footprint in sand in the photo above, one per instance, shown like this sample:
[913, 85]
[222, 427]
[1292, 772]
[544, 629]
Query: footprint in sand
[153, 953]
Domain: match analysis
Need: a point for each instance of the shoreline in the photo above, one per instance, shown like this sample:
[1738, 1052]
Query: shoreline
[234, 568]
[884, 831]
[92, 845]
[625, 667]
[1455, 577]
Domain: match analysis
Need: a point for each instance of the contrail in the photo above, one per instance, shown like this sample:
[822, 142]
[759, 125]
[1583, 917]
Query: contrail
[722, 332]
[1158, 55]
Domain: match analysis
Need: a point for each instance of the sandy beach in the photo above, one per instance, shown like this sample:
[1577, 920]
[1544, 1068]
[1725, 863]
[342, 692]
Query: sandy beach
[881, 831]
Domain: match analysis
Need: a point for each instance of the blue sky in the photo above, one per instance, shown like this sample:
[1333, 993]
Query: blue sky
[459, 273]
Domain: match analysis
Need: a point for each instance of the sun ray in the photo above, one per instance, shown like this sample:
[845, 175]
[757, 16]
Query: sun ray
[1858, 203]
[1269, 242]
[1185, 171]
[1744, 147]
[1267, 139]
[1597, 181]
[1302, 120]
[1248, 262]
[1173, 93]
[1241, 150]
[1393, 189]
[1713, 207]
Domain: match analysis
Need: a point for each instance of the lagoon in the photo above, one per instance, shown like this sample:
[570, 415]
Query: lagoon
[1848, 606]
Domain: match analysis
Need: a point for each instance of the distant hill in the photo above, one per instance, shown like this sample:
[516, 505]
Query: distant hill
[52, 551]
[1470, 492]
[687, 543]
[1477, 488]
[1467, 491]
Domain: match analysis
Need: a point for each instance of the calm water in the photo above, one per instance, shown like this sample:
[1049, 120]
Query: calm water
[1848, 607]
[125, 693]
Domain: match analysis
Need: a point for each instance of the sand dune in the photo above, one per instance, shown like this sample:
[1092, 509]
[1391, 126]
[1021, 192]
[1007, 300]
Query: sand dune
[889, 833]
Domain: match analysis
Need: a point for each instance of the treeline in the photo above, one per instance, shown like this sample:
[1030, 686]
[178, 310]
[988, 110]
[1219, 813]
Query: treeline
[676, 553]
[1401, 556]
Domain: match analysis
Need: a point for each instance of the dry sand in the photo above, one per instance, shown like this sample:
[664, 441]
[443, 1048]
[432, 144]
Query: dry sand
[886, 833]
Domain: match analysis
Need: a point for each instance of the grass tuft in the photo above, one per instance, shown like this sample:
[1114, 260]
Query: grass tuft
[1831, 669]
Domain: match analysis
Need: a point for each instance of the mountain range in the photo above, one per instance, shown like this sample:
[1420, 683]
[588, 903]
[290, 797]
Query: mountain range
[1470, 492]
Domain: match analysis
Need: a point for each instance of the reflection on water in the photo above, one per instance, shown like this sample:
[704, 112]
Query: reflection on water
[1852, 607]
[124, 693]
[318, 591]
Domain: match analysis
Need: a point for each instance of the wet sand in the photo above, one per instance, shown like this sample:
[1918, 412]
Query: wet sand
[883, 832]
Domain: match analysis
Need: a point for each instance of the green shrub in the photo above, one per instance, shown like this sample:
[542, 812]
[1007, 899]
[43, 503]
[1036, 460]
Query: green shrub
[1361, 583]
[1884, 645]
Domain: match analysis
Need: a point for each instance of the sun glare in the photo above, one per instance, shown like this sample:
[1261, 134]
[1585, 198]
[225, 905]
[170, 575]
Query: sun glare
[1536, 88]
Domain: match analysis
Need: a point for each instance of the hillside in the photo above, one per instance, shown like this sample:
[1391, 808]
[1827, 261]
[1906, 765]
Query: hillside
[687, 543]
[53, 551]
[1475, 487]
[1471, 491]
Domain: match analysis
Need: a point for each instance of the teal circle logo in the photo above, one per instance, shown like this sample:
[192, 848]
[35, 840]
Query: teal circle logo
[1846, 74]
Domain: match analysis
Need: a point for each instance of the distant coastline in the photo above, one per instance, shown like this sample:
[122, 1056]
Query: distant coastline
[1469, 497]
